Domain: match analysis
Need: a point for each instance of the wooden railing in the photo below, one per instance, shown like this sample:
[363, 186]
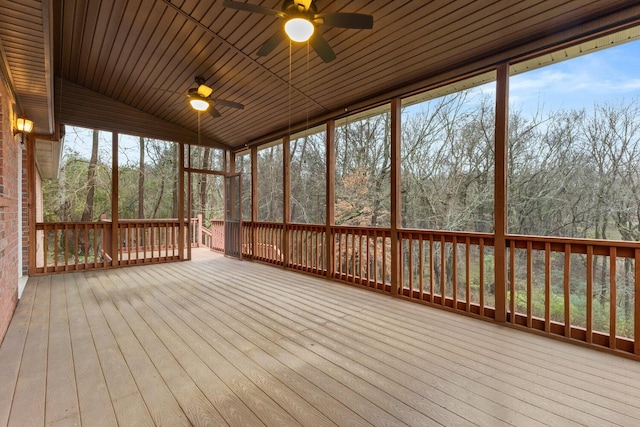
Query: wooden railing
[307, 248]
[448, 269]
[584, 290]
[142, 241]
[73, 246]
[268, 245]
[580, 289]
[213, 238]
[362, 256]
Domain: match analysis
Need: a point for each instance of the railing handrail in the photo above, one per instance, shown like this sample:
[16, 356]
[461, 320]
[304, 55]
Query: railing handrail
[575, 241]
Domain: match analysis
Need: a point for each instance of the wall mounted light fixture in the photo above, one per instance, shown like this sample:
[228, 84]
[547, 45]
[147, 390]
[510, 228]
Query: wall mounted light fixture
[23, 127]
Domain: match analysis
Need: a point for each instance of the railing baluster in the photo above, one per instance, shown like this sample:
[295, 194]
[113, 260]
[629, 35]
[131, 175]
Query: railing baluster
[421, 265]
[384, 262]
[636, 304]
[45, 246]
[431, 269]
[368, 264]
[529, 283]
[468, 273]
[359, 257]
[512, 281]
[589, 292]
[454, 275]
[443, 271]
[481, 273]
[567, 290]
[65, 236]
[375, 259]
[410, 249]
[55, 247]
[353, 256]
[613, 297]
[547, 287]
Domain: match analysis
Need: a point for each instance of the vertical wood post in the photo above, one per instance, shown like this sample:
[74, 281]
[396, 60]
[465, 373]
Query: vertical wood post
[254, 201]
[286, 198]
[500, 190]
[636, 303]
[181, 202]
[199, 236]
[232, 163]
[396, 134]
[330, 194]
[31, 205]
[115, 240]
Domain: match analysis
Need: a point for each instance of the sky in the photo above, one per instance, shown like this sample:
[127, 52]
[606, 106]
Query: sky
[608, 75]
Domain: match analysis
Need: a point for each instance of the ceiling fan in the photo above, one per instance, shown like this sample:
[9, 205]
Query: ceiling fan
[200, 99]
[301, 19]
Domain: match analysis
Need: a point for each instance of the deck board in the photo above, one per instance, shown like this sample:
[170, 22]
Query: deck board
[28, 407]
[61, 408]
[94, 401]
[220, 342]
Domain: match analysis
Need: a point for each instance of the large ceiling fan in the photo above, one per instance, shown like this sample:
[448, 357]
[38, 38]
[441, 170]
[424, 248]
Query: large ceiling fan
[301, 19]
[200, 99]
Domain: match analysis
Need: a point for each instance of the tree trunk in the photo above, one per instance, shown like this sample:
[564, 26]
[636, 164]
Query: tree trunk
[203, 185]
[87, 214]
[174, 184]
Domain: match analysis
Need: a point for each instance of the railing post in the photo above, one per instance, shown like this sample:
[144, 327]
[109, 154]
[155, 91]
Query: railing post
[636, 302]
[500, 191]
[199, 236]
[396, 134]
[330, 197]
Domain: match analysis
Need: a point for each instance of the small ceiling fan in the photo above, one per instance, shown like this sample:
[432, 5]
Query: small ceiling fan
[200, 99]
[301, 19]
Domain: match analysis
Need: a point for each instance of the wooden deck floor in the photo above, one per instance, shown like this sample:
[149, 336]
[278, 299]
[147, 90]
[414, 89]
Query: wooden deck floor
[221, 342]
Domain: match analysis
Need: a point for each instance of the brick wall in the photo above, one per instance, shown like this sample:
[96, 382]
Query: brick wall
[10, 157]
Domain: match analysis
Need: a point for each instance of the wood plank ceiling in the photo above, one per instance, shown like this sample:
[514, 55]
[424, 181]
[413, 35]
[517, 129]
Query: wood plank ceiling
[146, 54]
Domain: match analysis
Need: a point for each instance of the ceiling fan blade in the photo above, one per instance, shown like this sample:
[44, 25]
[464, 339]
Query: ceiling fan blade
[231, 104]
[322, 48]
[356, 21]
[213, 112]
[271, 44]
[248, 7]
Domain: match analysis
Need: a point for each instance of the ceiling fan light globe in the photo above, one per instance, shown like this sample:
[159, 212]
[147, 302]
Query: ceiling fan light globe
[199, 104]
[299, 29]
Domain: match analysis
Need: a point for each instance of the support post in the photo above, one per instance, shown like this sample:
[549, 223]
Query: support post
[396, 134]
[254, 201]
[500, 191]
[330, 194]
[181, 202]
[31, 205]
[115, 240]
[232, 163]
[286, 198]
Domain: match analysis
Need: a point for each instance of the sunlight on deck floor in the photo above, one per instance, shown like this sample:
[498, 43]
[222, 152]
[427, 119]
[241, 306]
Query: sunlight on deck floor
[220, 342]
